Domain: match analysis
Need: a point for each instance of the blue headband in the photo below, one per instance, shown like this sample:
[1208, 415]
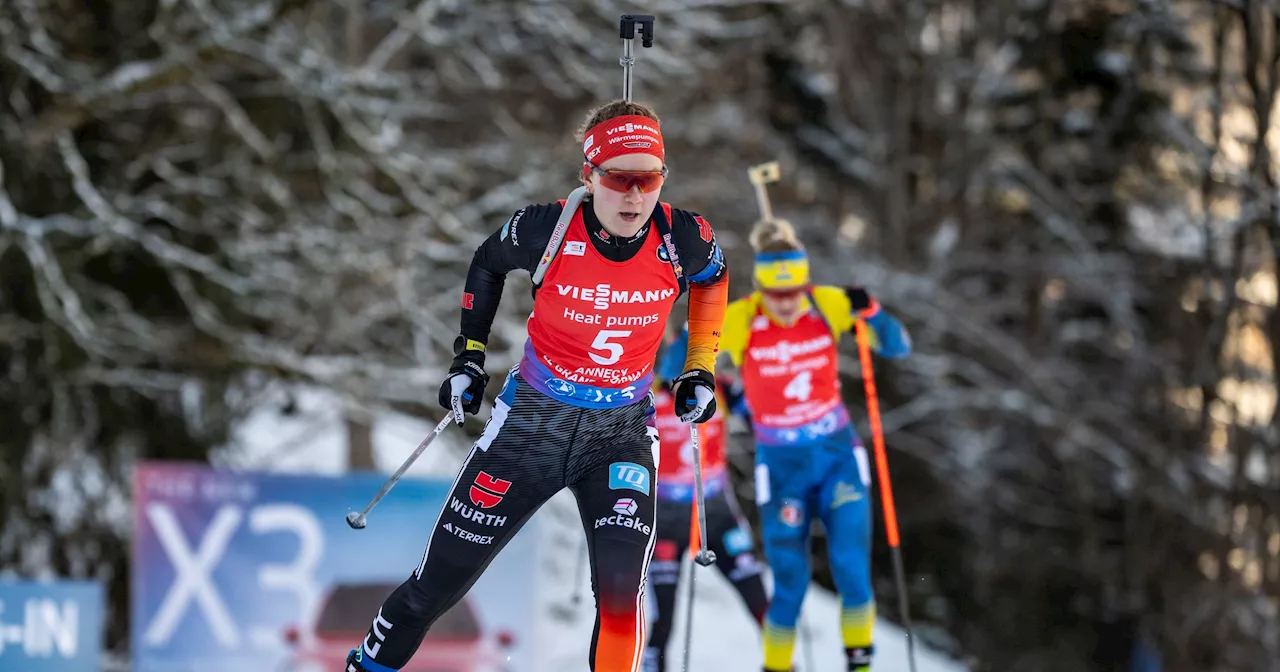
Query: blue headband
[789, 255]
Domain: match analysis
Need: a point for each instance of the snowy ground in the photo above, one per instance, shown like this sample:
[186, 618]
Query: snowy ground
[724, 639]
[724, 636]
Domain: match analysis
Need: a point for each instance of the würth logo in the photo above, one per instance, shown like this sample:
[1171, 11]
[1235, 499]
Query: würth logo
[487, 491]
[468, 300]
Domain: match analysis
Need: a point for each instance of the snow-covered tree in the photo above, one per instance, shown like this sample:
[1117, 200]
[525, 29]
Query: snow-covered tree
[1071, 204]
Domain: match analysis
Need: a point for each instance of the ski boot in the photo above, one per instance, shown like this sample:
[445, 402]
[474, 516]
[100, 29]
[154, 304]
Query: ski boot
[652, 661]
[357, 663]
[860, 658]
[353, 661]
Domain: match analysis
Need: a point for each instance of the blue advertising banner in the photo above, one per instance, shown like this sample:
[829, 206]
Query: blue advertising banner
[50, 627]
[252, 571]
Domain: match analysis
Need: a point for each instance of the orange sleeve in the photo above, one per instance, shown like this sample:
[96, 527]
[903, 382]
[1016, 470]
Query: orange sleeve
[707, 305]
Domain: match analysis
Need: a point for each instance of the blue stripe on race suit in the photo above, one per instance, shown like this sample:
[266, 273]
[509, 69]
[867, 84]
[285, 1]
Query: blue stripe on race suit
[683, 492]
[714, 264]
[508, 393]
[582, 395]
[835, 420]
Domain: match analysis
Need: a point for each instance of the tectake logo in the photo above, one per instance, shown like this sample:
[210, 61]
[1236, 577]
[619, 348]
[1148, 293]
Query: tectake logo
[628, 476]
[744, 565]
[624, 521]
[626, 506]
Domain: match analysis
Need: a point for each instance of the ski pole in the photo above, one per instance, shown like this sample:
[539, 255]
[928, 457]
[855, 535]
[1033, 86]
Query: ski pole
[627, 29]
[886, 487]
[357, 521]
[695, 532]
[697, 537]
[705, 556]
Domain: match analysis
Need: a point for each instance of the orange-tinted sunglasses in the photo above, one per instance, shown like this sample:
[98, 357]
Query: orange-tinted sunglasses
[784, 294]
[623, 180]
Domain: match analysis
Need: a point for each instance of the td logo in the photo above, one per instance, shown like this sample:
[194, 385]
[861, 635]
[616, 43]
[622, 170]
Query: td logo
[628, 476]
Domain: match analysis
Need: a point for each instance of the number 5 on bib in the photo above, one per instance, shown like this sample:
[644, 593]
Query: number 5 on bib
[602, 342]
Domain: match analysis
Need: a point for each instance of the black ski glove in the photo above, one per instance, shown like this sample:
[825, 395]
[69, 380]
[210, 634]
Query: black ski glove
[863, 304]
[695, 396]
[463, 389]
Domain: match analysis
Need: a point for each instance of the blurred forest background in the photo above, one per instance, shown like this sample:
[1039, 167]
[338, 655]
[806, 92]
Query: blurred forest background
[1071, 204]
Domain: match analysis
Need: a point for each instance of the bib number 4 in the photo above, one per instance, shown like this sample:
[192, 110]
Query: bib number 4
[603, 343]
[800, 387]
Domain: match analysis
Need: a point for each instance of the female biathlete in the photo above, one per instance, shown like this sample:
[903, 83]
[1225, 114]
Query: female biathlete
[575, 411]
[809, 462]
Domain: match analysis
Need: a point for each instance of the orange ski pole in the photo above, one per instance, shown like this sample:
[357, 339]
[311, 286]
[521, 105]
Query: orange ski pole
[886, 486]
[694, 531]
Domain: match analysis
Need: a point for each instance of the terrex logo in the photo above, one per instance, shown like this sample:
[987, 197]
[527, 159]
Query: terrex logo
[487, 491]
[509, 229]
[784, 351]
[603, 295]
[467, 535]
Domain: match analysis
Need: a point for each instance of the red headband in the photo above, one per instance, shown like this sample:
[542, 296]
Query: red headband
[630, 134]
